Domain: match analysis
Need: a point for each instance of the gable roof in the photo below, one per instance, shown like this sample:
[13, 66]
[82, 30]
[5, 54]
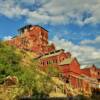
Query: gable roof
[24, 27]
[41, 27]
[88, 67]
[28, 26]
[52, 53]
[66, 61]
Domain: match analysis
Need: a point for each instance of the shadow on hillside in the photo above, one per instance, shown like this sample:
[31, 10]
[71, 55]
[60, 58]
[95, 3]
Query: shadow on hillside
[78, 97]
[43, 96]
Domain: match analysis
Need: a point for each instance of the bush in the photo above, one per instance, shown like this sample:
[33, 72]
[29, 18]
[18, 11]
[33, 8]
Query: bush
[29, 78]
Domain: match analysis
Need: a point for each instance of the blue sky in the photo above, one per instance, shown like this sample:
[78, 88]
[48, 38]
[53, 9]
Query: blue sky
[72, 24]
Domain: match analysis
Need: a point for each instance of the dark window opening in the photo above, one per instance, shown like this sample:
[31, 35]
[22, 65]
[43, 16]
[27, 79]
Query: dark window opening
[43, 63]
[67, 81]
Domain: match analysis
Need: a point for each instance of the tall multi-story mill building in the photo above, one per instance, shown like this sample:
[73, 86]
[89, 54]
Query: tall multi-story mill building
[34, 38]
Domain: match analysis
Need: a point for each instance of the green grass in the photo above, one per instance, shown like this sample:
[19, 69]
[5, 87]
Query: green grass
[15, 62]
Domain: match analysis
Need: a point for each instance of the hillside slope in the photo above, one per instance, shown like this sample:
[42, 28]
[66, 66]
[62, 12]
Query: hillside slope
[20, 64]
[31, 81]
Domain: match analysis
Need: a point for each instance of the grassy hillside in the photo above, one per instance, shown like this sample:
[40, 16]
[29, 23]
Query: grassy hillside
[19, 63]
[31, 80]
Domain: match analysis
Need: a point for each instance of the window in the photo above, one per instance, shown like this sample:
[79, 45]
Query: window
[56, 61]
[67, 81]
[47, 63]
[53, 61]
[60, 60]
[43, 63]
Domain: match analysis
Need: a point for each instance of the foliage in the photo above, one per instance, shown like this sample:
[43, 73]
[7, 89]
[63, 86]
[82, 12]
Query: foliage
[9, 61]
[30, 79]
[52, 70]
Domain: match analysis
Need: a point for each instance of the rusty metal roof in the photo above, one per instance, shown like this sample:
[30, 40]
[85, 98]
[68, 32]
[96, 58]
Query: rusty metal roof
[53, 53]
[66, 61]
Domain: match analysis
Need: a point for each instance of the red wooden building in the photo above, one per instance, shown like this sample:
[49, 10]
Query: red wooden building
[68, 66]
[91, 73]
[98, 77]
[34, 38]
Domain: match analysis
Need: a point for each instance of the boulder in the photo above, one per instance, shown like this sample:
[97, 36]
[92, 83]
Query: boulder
[10, 80]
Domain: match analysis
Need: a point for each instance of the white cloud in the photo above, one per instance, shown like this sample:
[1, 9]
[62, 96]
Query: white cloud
[59, 12]
[86, 54]
[9, 9]
[53, 11]
[95, 41]
[7, 38]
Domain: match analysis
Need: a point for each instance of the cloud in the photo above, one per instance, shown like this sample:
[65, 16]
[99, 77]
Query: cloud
[9, 9]
[53, 11]
[7, 38]
[85, 54]
[95, 42]
[61, 12]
